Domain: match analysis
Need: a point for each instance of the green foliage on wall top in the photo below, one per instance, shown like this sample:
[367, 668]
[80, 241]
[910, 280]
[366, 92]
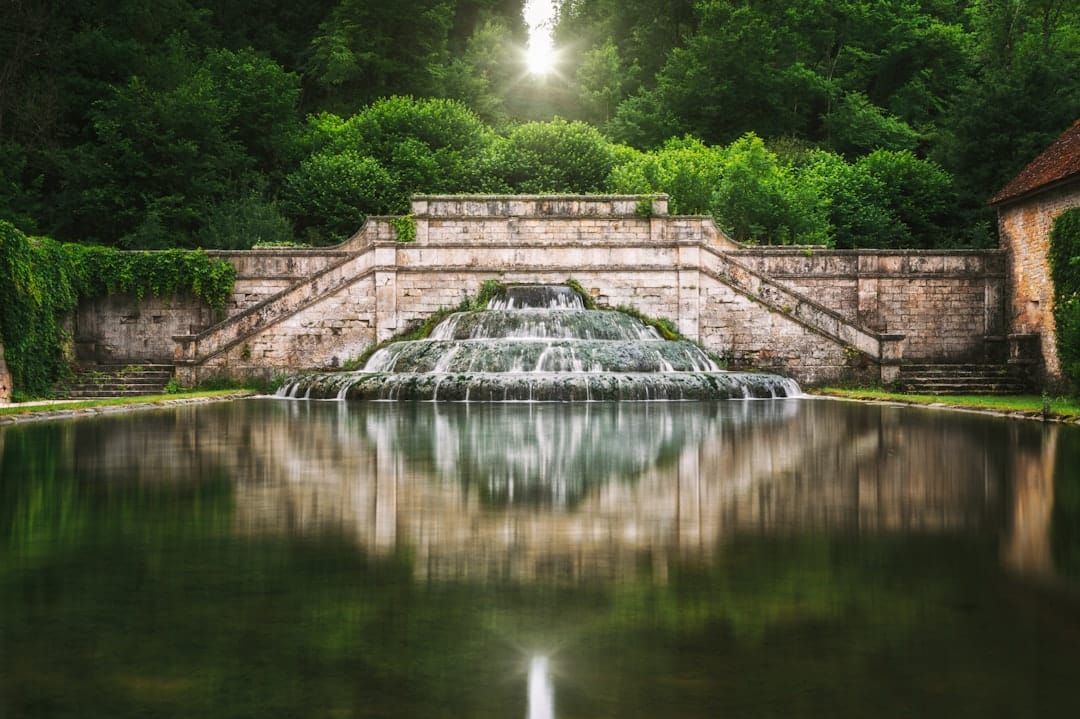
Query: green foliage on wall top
[1065, 273]
[42, 281]
[404, 228]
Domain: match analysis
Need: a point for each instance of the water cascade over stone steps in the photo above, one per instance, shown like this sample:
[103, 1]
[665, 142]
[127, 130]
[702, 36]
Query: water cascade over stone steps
[540, 343]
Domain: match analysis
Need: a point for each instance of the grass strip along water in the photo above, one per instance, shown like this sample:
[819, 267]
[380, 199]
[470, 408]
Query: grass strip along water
[1062, 409]
[1033, 406]
[65, 408]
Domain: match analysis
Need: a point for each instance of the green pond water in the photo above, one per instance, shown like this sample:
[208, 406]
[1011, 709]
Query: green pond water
[773, 558]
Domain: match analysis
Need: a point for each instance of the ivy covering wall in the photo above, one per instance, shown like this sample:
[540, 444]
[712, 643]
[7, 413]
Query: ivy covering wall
[42, 282]
[1065, 273]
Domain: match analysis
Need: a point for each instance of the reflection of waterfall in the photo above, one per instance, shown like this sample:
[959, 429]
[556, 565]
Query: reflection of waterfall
[539, 343]
[539, 455]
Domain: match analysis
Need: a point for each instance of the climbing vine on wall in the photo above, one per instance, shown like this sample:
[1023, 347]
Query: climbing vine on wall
[42, 281]
[1065, 273]
[404, 228]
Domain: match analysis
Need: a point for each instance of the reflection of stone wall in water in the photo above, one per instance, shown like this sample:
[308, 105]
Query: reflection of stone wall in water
[598, 489]
[689, 482]
[1026, 549]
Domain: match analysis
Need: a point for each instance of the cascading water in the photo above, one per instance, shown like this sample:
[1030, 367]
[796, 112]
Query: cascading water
[539, 343]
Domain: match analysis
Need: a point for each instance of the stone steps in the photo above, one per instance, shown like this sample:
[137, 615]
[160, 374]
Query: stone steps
[120, 380]
[946, 379]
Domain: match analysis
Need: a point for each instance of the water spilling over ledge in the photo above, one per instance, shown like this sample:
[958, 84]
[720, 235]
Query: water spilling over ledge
[538, 343]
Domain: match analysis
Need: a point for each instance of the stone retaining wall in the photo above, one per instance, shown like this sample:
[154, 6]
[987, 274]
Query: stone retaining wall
[945, 302]
[817, 315]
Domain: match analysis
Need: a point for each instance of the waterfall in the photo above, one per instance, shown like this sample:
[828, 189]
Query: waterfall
[539, 343]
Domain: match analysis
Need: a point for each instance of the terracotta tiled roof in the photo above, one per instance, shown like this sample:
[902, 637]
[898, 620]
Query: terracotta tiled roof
[1058, 162]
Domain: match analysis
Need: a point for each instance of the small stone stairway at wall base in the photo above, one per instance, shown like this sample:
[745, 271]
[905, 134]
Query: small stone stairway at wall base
[955, 379]
[120, 380]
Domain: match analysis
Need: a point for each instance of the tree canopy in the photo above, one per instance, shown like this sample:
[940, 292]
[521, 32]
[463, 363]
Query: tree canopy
[183, 123]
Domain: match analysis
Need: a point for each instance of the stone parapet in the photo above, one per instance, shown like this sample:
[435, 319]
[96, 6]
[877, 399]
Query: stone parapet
[546, 206]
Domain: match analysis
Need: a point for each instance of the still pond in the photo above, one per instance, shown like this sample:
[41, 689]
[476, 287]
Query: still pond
[771, 558]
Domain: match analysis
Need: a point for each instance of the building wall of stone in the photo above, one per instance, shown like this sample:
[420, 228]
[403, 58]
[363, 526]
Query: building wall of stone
[1024, 229]
[5, 378]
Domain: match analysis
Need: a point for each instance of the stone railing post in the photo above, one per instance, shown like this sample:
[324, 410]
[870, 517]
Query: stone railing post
[892, 355]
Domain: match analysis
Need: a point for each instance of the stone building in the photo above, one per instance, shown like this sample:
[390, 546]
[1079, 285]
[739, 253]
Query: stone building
[1027, 207]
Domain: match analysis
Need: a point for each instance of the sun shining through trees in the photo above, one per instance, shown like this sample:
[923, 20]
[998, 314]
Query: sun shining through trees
[541, 55]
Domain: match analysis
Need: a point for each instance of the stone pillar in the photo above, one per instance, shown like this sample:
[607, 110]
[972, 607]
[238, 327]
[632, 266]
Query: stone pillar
[994, 297]
[688, 314]
[892, 355]
[5, 378]
[386, 292]
[868, 313]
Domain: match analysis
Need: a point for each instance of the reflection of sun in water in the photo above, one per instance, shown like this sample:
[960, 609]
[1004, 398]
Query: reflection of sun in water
[541, 692]
[540, 17]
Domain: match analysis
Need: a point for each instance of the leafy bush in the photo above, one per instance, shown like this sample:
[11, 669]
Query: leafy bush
[375, 160]
[404, 228]
[918, 192]
[685, 168]
[858, 207]
[425, 145]
[1065, 273]
[332, 193]
[857, 125]
[555, 156]
[760, 200]
[242, 223]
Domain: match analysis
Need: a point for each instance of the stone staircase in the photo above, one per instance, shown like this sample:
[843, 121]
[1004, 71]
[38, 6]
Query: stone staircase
[953, 379]
[120, 380]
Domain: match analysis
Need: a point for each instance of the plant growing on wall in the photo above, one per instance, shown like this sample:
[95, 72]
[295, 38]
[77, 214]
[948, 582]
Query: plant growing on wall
[42, 281]
[404, 228]
[1065, 274]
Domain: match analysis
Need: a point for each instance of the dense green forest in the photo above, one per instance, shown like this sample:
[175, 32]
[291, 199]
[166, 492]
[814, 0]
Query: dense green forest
[219, 124]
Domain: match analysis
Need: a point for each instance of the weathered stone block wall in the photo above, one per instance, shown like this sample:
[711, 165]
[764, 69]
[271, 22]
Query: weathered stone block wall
[522, 220]
[819, 316]
[747, 334]
[337, 328]
[945, 302]
[121, 328]
[263, 273]
[1024, 229]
